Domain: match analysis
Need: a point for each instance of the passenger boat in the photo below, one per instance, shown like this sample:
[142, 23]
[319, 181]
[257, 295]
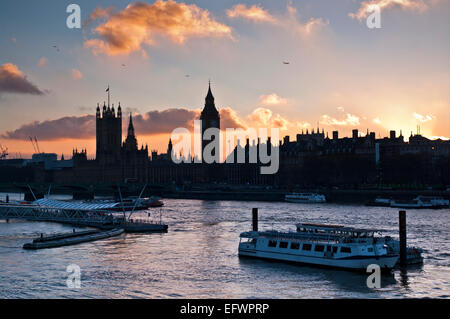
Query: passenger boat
[418, 202]
[305, 198]
[321, 245]
[421, 202]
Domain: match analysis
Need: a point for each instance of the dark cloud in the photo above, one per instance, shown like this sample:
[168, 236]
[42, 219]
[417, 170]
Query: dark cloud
[153, 122]
[157, 122]
[12, 80]
[70, 127]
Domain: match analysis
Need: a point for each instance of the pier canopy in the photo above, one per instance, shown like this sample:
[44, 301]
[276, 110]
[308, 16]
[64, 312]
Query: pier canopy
[51, 203]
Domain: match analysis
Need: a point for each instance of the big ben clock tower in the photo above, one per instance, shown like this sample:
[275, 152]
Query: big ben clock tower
[210, 116]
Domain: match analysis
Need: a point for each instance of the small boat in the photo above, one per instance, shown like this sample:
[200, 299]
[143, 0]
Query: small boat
[321, 245]
[305, 198]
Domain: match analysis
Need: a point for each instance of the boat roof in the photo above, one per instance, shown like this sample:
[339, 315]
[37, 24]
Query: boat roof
[51, 203]
[328, 227]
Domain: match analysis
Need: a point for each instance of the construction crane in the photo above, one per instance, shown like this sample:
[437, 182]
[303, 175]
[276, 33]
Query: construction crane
[3, 152]
[35, 144]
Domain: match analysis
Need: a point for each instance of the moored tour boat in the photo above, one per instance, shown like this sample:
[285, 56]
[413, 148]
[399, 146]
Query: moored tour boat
[305, 198]
[321, 245]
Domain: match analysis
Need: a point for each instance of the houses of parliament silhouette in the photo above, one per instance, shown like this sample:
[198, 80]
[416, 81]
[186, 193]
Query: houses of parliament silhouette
[313, 159]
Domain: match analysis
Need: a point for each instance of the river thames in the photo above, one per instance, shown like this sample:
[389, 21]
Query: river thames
[198, 256]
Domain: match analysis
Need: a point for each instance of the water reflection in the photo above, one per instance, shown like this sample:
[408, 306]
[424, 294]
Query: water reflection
[198, 257]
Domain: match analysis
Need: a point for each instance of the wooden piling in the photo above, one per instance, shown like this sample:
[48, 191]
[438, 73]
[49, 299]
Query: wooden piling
[402, 235]
[255, 219]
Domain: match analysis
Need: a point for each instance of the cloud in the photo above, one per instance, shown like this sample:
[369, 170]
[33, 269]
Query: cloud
[366, 6]
[12, 80]
[349, 119]
[289, 21]
[76, 74]
[422, 118]
[254, 13]
[377, 120]
[272, 99]
[444, 138]
[70, 127]
[43, 62]
[262, 117]
[150, 123]
[140, 23]
[159, 122]
[230, 119]
[303, 125]
[99, 13]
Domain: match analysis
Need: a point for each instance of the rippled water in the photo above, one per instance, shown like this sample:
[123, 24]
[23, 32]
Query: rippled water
[198, 258]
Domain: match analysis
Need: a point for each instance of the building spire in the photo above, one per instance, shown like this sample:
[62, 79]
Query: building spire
[107, 90]
[131, 127]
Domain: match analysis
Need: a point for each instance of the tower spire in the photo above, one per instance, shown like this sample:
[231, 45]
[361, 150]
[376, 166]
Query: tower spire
[107, 90]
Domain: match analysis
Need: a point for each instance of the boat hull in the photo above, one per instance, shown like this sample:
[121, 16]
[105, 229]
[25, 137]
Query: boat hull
[357, 263]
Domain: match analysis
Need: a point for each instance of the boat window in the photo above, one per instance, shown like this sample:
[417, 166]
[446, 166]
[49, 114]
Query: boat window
[272, 243]
[283, 244]
[335, 249]
[370, 249]
[295, 245]
[346, 250]
[306, 247]
[319, 248]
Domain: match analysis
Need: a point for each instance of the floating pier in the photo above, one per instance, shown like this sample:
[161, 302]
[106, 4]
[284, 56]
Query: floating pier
[76, 214]
[71, 239]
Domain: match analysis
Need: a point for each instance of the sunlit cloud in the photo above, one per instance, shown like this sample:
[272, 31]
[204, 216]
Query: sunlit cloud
[350, 119]
[303, 125]
[12, 80]
[43, 62]
[76, 74]
[140, 23]
[422, 118]
[230, 119]
[99, 13]
[366, 6]
[254, 13]
[289, 21]
[272, 99]
[293, 23]
[444, 138]
[377, 120]
[262, 117]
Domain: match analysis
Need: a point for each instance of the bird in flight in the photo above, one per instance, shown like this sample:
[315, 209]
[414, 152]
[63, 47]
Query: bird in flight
[57, 49]
[123, 64]
[286, 62]
[187, 75]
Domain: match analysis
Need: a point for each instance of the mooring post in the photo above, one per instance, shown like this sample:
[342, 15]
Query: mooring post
[402, 235]
[255, 219]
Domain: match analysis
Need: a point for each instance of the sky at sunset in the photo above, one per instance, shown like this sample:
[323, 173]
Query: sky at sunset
[157, 58]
